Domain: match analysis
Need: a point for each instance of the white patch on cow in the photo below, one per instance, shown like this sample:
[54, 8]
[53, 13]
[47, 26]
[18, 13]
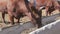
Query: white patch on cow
[28, 0]
[41, 7]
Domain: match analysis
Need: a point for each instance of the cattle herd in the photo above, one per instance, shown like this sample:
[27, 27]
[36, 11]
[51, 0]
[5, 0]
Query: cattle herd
[19, 8]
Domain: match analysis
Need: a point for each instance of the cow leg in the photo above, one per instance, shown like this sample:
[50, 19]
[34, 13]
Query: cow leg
[47, 10]
[17, 20]
[11, 17]
[59, 10]
[30, 16]
[50, 13]
[39, 19]
[3, 17]
[10, 8]
[11, 20]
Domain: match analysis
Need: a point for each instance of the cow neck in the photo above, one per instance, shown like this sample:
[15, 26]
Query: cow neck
[34, 3]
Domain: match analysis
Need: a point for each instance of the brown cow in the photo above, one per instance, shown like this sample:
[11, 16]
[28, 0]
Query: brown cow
[22, 7]
[47, 3]
[55, 5]
[20, 10]
[37, 5]
[15, 8]
[4, 5]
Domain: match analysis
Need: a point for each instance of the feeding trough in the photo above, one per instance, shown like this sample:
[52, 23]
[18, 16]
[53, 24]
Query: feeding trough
[52, 28]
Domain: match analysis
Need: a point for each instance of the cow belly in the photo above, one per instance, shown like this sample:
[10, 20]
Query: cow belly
[23, 9]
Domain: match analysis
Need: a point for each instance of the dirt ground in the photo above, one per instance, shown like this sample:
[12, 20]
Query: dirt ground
[24, 19]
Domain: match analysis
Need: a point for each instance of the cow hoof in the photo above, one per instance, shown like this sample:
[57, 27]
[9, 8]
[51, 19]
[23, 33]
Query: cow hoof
[12, 23]
[17, 23]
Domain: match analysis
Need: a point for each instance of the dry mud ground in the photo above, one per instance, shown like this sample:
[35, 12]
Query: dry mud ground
[24, 19]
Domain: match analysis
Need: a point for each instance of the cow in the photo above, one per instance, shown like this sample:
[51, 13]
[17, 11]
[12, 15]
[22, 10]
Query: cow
[55, 6]
[49, 5]
[23, 8]
[15, 9]
[18, 9]
[4, 6]
[38, 5]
